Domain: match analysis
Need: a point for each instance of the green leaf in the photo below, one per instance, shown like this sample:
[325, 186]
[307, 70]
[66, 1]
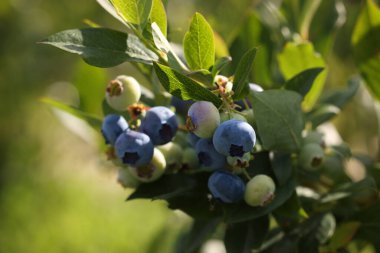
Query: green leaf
[242, 212]
[198, 44]
[282, 166]
[102, 47]
[341, 97]
[296, 58]
[200, 231]
[245, 236]
[220, 64]
[366, 45]
[158, 16]
[253, 33]
[164, 46]
[91, 84]
[321, 114]
[242, 73]
[135, 12]
[93, 120]
[303, 81]
[331, 104]
[110, 9]
[183, 87]
[279, 119]
[342, 236]
[167, 187]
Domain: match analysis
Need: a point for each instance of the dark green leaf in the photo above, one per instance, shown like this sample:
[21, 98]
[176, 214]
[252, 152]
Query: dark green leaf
[342, 236]
[93, 120]
[169, 186]
[198, 44]
[341, 97]
[135, 12]
[279, 119]
[370, 223]
[242, 212]
[220, 64]
[245, 236]
[296, 58]
[202, 76]
[183, 87]
[366, 44]
[288, 214]
[303, 81]
[102, 47]
[282, 166]
[200, 231]
[321, 114]
[242, 73]
[253, 33]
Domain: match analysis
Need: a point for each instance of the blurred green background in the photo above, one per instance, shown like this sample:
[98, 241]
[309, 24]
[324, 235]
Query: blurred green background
[57, 192]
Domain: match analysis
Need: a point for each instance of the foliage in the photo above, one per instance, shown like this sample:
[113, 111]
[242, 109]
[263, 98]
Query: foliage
[290, 106]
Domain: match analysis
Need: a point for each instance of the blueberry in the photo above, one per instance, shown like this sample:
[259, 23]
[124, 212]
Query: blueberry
[208, 156]
[259, 191]
[311, 156]
[181, 106]
[123, 92]
[234, 138]
[160, 123]
[224, 116]
[152, 171]
[134, 148]
[190, 159]
[226, 187]
[125, 179]
[173, 154]
[202, 119]
[193, 139]
[113, 125]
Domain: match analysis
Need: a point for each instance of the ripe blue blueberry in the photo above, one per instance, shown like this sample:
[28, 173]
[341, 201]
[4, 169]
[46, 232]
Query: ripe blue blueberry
[202, 119]
[181, 106]
[160, 123]
[226, 187]
[193, 139]
[208, 156]
[134, 148]
[234, 138]
[113, 125]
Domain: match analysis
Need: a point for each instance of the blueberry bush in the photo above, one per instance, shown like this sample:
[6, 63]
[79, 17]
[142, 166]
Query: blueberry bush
[232, 133]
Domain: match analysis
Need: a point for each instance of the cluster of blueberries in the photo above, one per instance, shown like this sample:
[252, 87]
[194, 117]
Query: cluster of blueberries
[218, 142]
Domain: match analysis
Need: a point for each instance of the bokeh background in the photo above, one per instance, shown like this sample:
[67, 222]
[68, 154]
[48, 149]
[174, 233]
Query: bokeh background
[57, 191]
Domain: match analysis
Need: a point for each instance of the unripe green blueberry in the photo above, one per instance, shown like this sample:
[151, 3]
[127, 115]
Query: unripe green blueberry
[313, 137]
[224, 116]
[249, 116]
[173, 154]
[190, 159]
[202, 119]
[259, 191]
[151, 172]
[311, 156]
[123, 92]
[125, 179]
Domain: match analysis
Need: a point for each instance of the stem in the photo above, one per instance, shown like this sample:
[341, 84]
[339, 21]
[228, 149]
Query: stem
[245, 172]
